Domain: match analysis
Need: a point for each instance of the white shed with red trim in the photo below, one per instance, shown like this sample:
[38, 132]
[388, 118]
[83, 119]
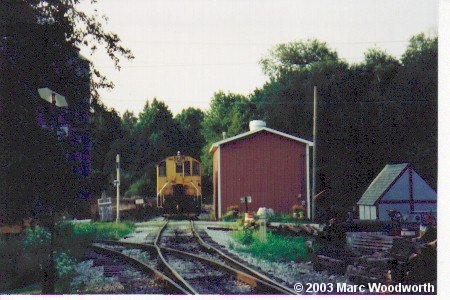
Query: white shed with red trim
[398, 187]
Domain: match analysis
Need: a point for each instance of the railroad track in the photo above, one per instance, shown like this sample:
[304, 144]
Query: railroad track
[135, 276]
[196, 267]
[238, 265]
[191, 243]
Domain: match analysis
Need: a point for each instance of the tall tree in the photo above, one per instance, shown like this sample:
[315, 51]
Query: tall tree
[37, 49]
[382, 110]
[82, 30]
[105, 130]
[295, 56]
[190, 120]
[157, 135]
[229, 113]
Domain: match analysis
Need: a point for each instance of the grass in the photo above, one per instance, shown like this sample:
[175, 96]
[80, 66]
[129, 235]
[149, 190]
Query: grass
[277, 248]
[103, 230]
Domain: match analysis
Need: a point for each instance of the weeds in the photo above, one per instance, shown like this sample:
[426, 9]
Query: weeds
[277, 247]
[90, 279]
[282, 218]
[102, 230]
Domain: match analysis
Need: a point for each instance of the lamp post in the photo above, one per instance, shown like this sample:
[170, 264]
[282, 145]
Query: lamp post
[117, 183]
[56, 100]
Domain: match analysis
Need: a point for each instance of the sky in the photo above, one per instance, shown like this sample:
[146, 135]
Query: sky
[188, 50]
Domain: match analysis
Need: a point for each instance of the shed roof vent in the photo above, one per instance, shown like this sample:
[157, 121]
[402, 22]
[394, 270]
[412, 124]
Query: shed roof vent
[256, 124]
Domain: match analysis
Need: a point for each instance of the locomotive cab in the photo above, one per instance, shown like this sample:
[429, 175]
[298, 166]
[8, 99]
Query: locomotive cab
[179, 185]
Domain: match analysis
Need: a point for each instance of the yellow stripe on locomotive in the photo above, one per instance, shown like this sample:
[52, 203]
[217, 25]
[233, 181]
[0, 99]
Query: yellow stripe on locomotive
[178, 184]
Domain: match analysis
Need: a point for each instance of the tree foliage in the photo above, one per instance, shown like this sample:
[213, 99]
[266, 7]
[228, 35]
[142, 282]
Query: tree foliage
[382, 110]
[296, 56]
[228, 113]
[80, 30]
[142, 142]
[39, 47]
[190, 121]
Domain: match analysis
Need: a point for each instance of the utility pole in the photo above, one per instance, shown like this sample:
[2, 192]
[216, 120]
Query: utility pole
[313, 201]
[56, 100]
[117, 182]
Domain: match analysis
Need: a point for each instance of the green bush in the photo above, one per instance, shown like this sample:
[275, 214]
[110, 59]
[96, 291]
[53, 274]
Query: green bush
[65, 265]
[36, 238]
[244, 237]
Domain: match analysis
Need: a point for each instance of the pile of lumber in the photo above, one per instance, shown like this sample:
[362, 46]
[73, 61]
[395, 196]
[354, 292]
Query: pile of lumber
[292, 229]
[379, 267]
[369, 242]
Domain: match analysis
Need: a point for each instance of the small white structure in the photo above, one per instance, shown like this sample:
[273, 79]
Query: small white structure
[105, 208]
[397, 187]
[256, 125]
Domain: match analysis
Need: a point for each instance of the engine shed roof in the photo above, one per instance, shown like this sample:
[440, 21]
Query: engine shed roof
[248, 133]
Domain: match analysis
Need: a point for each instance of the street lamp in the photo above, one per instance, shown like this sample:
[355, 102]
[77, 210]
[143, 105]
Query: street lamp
[117, 184]
[52, 97]
[56, 100]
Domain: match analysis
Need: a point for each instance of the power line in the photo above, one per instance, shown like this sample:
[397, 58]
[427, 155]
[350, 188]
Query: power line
[332, 102]
[339, 59]
[148, 99]
[253, 44]
[279, 102]
[181, 65]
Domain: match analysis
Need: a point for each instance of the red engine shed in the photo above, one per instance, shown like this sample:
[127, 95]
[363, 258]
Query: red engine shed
[270, 166]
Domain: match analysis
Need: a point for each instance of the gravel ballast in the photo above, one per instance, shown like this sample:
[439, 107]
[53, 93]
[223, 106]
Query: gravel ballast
[145, 232]
[288, 273]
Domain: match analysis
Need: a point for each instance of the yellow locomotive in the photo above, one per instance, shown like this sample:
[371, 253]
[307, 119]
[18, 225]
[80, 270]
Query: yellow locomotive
[179, 185]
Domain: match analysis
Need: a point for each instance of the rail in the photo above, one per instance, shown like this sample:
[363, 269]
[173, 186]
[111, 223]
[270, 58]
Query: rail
[254, 279]
[241, 267]
[167, 266]
[144, 267]
[260, 285]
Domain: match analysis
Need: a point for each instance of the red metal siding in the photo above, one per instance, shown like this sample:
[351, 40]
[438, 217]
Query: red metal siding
[215, 182]
[268, 167]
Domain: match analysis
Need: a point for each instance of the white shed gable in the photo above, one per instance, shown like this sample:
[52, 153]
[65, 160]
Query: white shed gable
[421, 190]
[400, 189]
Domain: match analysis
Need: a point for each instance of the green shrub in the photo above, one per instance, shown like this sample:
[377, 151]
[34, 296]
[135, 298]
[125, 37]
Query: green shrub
[65, 265]
[36, 238]
[244, 237]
